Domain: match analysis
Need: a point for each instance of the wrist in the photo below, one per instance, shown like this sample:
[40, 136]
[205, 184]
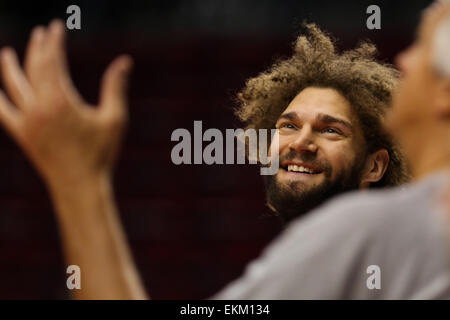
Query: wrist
[58, 184]
[81, 194]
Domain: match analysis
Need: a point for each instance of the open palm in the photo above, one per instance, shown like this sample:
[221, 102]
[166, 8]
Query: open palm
[64, 137]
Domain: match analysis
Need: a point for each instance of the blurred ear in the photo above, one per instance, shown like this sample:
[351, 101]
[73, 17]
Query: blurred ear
[376, 166]
[442, 99]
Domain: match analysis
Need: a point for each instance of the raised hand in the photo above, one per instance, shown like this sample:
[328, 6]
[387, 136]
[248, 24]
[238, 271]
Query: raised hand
[73, 146]
[64, 137]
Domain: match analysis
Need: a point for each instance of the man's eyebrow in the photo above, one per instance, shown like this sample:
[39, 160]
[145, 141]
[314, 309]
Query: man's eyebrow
[289, 116]
[330, 119]
[321, 117]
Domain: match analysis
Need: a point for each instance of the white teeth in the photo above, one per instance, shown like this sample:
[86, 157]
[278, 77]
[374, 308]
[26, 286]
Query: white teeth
[296, 168]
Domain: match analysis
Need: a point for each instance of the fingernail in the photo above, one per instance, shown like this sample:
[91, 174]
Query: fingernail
[6, 53]
[55, 25]
[126, 64]
[38, 33]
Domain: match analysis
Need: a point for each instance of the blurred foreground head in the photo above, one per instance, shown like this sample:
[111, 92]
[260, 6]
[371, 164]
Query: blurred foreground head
[420, 118]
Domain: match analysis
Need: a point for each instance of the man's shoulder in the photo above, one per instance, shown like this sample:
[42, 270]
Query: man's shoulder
[326, 253]
[401, 230]
[381, 210]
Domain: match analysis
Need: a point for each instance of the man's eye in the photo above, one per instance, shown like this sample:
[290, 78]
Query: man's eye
[287, 125]
[331, 130]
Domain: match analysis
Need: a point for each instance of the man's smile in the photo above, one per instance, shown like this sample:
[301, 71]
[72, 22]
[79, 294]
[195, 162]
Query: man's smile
[299, 170]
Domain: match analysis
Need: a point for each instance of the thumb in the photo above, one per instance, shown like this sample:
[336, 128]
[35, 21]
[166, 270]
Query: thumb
[113, 99]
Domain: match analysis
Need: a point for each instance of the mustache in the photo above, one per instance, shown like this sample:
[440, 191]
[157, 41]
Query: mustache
[307, 158]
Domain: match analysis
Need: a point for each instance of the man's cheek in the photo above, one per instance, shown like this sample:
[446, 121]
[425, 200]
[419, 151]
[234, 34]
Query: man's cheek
[340, 164]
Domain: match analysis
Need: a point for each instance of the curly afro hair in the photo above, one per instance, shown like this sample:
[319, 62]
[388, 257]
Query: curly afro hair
[366, 83]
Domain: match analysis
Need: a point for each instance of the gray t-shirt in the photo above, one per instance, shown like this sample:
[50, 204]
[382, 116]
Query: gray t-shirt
[335, 251]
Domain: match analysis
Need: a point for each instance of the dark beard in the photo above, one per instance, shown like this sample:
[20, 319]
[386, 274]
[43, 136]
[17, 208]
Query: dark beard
[291, 202]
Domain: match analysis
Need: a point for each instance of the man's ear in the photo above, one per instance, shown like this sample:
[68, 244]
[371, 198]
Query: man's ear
[442, 99]
[376, 166]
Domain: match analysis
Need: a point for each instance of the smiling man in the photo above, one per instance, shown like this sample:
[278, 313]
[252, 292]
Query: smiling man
[328, 109]
[322, 153]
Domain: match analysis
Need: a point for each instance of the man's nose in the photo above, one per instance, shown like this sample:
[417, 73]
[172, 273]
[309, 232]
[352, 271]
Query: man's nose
[304, 141]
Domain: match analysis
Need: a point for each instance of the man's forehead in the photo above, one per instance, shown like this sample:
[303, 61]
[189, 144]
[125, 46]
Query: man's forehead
[313, 102]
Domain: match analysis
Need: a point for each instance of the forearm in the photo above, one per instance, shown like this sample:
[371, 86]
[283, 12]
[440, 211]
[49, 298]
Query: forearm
[94, 240]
